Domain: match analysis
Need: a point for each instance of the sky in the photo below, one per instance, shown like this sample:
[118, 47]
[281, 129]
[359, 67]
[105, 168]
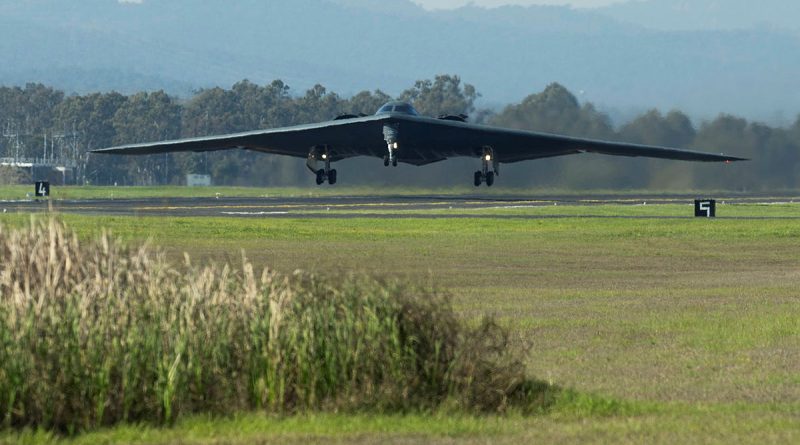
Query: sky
[448, 4]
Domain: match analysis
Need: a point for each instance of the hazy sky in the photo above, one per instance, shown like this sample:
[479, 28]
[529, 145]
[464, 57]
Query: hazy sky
[434, 4]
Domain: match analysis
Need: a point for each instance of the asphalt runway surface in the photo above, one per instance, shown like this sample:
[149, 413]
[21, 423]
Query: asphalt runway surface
[404, 206]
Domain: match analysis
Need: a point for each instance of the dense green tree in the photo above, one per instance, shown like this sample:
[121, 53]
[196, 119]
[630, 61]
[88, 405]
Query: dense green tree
[91, 116]
[146, 117]
[89, 120]
[211, 111]
[216, 111]
[774, 153]
[99, 120]
[277, 97]
[12, 176]
[555, 110]
[28, 113]
[443, 95]
[366, 102]
[317, 105]
[728, 134]
[247, 106]
[653, 128]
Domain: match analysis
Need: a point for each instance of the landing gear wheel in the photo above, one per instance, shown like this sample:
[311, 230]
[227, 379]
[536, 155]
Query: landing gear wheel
[332, 177]
[320, 176]
[478, 179]
[386, 161]
[394, 162]
[489, 178]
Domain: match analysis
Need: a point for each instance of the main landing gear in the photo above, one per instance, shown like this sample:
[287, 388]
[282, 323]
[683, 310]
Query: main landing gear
[329, 176]
[323, 174]
[485, 174]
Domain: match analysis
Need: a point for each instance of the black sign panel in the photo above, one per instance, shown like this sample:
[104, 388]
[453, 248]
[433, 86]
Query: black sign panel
[42, 188]
[705, 208]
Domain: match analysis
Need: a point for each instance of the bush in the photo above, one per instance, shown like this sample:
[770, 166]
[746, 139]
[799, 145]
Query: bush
[96, 333]
[13, 176]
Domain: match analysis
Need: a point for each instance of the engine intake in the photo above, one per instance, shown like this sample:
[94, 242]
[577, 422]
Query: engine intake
[348, 116]
[453, 117]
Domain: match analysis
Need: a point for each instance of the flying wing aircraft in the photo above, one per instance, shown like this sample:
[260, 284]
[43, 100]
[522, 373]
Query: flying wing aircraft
[397, 133]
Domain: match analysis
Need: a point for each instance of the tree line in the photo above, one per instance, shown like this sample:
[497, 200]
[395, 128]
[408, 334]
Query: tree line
[37, 116]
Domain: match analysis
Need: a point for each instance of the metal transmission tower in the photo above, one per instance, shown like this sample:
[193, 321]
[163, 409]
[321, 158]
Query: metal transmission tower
[66, 154]
[12, 137]
[61, 155]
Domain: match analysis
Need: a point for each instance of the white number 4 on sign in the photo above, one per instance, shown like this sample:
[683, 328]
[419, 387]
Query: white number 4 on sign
[42, 188]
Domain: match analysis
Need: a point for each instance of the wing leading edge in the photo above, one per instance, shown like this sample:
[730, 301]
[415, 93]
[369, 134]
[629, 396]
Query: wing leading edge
[452, 138]
[347, 136]
[412, 139]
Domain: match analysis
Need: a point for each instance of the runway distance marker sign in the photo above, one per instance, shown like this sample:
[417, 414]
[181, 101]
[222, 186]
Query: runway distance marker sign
[705, 208]
[42, 189]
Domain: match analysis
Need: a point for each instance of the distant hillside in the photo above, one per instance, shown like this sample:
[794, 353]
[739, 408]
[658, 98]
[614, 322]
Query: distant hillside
[680, 15]
[351, 45]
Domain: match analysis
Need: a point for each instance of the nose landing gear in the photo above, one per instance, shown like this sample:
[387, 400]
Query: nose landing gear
[391, 133]
[391, 158]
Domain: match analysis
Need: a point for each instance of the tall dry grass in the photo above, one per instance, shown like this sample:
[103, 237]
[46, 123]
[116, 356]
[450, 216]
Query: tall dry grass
[95, 333]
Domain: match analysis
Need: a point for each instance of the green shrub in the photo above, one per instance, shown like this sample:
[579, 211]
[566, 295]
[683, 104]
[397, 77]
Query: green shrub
[13, 176]
[96, 333]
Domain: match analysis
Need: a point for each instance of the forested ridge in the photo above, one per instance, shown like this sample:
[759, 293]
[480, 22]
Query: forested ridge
[734, 55]
[42, 116]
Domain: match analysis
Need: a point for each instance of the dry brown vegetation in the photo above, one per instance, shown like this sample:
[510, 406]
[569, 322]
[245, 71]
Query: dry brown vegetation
[11, 176]
[94, 333]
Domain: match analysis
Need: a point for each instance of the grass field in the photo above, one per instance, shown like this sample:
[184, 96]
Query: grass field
[668, 330]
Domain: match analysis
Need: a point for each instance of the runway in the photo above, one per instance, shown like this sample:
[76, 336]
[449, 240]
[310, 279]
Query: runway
[401, 206]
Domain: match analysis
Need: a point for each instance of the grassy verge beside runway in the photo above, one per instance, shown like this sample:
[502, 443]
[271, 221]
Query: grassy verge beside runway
[674, 424]
[694, 325]
[109, 192]
[550, 210]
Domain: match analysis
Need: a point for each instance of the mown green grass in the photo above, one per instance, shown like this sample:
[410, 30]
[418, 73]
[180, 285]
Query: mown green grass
[537, 209]
[693, 323]
[107, 192]
[673, 424]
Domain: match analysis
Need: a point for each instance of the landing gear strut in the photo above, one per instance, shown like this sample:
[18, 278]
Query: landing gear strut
[391, 134]
[485, 174]
[391, 158]
[323, 174]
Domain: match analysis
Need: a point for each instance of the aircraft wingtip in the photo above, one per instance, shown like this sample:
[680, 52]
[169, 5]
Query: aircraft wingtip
[729, 160]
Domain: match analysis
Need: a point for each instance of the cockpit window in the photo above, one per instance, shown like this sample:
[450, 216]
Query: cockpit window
[405, 108]
[398, 108]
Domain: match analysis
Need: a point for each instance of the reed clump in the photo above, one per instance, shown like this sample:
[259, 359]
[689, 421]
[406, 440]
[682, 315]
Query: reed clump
[95, 333]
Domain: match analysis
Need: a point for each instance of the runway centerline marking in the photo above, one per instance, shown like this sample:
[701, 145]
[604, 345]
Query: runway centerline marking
[290, 206]
[254, 213]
